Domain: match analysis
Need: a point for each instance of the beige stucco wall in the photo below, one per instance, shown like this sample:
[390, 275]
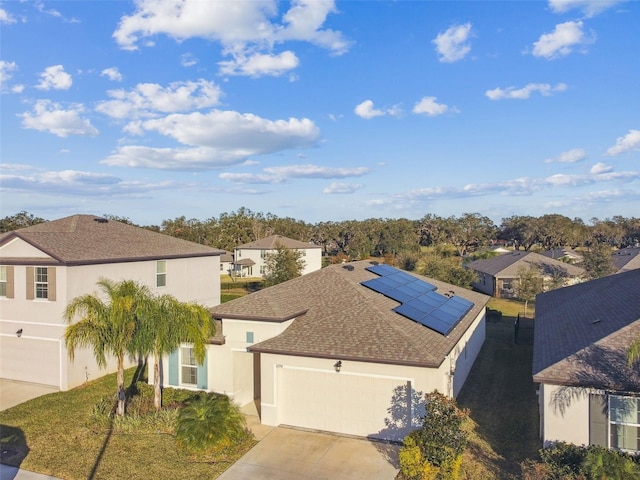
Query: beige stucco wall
[39, 355]
[564, 414]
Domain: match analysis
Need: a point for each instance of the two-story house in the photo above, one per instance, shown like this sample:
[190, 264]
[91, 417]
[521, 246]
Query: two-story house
[44, 266]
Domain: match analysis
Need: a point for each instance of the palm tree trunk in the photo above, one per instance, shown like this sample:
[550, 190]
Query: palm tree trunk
[120, 377]
[157, 392]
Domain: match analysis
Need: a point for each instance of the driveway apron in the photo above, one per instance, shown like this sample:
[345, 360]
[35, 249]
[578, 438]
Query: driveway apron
[292, 454]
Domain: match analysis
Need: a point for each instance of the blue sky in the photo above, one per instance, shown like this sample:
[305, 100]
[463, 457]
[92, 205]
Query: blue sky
[320, 111]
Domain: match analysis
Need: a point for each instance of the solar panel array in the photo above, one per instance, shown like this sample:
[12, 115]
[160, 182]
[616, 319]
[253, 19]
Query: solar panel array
[419, 300]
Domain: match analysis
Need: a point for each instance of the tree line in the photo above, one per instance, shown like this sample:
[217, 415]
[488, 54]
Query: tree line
[378, 237]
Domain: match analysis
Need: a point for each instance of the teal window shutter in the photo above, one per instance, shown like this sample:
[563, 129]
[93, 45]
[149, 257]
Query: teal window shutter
[174, 365]
[249, 337]
[202, 373]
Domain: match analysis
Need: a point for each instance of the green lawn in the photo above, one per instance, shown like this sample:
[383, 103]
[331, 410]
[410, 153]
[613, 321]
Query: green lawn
[501, 396]
[56, 435]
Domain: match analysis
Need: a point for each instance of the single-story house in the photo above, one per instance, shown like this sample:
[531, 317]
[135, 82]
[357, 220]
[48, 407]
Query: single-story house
[249, 259]
[626, 259]
[497, 276]
[348, 348]
[588, 394]
[44, 266]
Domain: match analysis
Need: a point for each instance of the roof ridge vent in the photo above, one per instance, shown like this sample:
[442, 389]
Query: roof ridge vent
[100, 220]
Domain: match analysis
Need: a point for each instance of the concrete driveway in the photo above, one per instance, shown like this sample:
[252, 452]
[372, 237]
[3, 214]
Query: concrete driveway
[292, 454]
[13, 392]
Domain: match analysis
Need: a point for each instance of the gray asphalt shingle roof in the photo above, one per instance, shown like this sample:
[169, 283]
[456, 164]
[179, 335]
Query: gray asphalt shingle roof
[87, 239]
[582, 333]
[336, 317]
[508, 264]
[626, 259]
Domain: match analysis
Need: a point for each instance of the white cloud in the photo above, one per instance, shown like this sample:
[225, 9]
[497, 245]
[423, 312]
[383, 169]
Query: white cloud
[48, 116]
[589, 8]
[149, 99]
[259, 64]
[54, 77]
[453, 45]
[188, 60]
[628, 143]
[215, 139]
[246, 30]
[570, 156]
[74, 182]
[277, 175]
[524, 93]
[366, 110]
[6, 71]
[600, 168]
[6, 17]
[562, 41]
[113, 73]
[341, 188]
[430, 106]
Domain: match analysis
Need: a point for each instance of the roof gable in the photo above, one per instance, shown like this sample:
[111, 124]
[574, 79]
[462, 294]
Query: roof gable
[272, 241]
[583, 330]
[508, 264]
[337, 317]
[87, 239]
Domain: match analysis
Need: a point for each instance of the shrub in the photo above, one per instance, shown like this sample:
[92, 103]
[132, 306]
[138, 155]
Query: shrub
[210, 422]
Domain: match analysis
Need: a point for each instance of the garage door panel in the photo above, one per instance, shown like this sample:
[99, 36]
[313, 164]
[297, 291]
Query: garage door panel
[340, 402]
[30, 360]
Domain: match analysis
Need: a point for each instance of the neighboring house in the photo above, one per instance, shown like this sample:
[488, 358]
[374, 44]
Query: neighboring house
[626, 259]
[249, 259]
[497, 276]
[325, 351]
[588, 394]
[45, 266]
[566, 255]
[226, 263]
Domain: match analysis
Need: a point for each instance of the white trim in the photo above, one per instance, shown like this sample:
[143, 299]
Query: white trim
[26, 322]
[60, 349]
[46, 339]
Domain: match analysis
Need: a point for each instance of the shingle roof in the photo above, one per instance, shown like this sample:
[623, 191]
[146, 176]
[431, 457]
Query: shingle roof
[626, 258]
[270, 243]
[582, 333]
[87, 239]
[508, 264]
[337, 317]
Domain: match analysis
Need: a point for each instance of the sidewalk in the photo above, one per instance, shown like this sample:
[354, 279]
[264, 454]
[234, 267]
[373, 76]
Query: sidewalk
[13, 473]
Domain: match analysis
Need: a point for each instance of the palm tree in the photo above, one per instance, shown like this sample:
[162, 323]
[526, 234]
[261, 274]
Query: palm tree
[165, 324]
[109, 327]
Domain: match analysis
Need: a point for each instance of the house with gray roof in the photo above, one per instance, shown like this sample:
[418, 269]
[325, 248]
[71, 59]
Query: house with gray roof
[588, 394]
[44, 266]
[626, 259]
[347, 348]
[497, 276]
[249, 258]
[564, 254]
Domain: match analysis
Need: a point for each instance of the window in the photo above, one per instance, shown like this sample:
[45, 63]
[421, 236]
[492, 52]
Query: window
[249, 337]
[263, 270]
[3, 281]
[238, 253]
[161, 273]
[506, 284]
[263, 253]
[41, 284]
[624, 423]
[188, 366]
[222, 267]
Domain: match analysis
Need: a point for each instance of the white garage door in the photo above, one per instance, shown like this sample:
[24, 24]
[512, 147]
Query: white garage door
[345, 403]
[30, 360]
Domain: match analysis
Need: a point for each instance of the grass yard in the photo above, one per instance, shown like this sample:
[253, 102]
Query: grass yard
[56, 435]
[501, 397]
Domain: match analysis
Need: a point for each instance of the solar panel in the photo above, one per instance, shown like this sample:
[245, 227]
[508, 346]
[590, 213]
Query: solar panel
[418, 299]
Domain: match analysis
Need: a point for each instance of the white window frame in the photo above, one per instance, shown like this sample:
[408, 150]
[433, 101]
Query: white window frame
[616, 423]
[3, 281]
[41, 283]
[161, 273]
[188, 367]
